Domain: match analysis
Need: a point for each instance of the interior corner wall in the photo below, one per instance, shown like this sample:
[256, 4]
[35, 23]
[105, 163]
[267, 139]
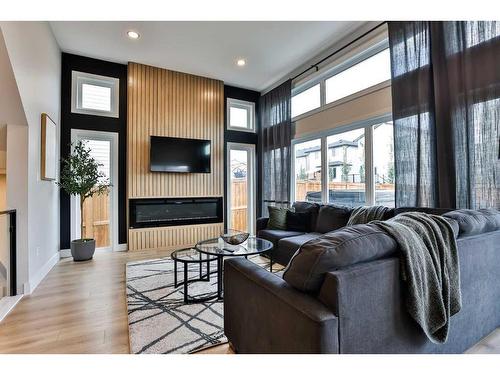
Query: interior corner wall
[118, 125]
[35, 58]
[242, 137]
[374, 104]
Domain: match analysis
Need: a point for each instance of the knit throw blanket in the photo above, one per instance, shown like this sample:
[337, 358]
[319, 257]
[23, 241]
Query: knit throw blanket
[365, 214]
[430, 268]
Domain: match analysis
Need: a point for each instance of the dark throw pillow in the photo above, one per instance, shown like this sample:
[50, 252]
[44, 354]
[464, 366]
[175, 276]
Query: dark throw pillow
[277, 218]
[298, 221]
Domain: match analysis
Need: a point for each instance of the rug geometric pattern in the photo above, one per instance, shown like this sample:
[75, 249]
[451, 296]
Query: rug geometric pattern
[159, 321]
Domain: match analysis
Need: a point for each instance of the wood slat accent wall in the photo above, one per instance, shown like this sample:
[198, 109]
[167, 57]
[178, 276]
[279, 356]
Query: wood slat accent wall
[171, 238]
[167, 103]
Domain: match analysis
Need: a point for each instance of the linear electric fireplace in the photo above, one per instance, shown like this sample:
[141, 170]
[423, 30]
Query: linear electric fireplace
[161, 212]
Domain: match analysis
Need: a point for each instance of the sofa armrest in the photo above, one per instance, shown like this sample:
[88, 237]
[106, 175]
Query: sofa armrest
[368, 300]
[261, 223]
[263, 314]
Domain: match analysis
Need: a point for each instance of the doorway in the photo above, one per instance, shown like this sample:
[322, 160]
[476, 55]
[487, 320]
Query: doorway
[100, 213]
[241, 207]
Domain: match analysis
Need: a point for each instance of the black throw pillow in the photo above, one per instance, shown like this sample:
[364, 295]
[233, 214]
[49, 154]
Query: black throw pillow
[298, 221]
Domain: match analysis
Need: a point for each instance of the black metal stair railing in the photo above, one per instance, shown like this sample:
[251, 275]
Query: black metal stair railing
[12, 237]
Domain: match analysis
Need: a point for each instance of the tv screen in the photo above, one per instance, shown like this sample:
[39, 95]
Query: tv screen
[181, 155]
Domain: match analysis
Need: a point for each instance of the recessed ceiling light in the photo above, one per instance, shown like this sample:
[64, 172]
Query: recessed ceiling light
[241, 62]
[133, 34]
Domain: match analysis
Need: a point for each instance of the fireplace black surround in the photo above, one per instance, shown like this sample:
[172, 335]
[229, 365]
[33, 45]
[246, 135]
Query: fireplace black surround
[161, 212]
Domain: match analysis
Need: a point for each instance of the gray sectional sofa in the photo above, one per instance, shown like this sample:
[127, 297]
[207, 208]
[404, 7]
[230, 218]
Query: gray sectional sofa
[324, 218]
[358, 304]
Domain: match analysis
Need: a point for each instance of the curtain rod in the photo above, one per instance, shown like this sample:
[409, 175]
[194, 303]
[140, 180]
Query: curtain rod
[337, 51]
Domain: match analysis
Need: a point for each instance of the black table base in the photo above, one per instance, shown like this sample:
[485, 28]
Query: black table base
[205, 277]
[186, 281]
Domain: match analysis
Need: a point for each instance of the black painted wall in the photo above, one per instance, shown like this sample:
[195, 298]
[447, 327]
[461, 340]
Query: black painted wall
[242, 137]
[98, 123]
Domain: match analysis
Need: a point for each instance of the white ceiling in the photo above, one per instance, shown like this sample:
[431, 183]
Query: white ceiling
[210, 49]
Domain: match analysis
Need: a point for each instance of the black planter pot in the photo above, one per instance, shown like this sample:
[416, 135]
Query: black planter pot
[83, 249]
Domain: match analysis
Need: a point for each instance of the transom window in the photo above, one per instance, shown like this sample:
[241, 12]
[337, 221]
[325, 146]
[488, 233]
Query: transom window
[306, 101]
[94, 94]
[240, 115]
[367, 73]
[349, 79]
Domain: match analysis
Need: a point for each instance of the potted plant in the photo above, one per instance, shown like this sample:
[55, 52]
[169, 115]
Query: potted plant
[80, 176]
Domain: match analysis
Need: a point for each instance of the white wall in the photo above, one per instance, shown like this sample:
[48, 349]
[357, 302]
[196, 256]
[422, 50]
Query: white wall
[36, 62]
[3, 181]
[11, 109]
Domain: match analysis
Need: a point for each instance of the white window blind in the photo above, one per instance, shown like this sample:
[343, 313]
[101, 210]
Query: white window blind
[96, 97]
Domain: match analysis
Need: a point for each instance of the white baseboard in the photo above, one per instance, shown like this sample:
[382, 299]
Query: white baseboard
[66, 253]
[7, 304]
[122, 247]
[40, 275]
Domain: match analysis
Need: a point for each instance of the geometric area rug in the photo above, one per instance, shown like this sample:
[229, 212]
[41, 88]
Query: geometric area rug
[159, 321]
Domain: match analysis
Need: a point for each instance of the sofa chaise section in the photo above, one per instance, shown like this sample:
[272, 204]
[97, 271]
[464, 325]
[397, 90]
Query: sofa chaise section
[364, 301]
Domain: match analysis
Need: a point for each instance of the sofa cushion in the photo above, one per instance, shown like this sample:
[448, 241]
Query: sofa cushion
[277, 218]
[332, 217]
[274, 235]
[473, 222]
[292, 244]
[313, 208]
[335, 250]
[298, 221]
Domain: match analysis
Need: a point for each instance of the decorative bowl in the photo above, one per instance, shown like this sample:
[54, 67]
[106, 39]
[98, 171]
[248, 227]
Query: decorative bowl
[234, 237]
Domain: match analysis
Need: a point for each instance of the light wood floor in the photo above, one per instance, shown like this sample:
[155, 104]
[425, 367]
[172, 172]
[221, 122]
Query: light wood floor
[77, 308]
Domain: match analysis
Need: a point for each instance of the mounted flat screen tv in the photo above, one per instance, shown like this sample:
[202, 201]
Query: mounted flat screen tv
[180, 155]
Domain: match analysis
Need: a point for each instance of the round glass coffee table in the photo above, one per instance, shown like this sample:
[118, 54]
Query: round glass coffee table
[192, 256]
[220, 249]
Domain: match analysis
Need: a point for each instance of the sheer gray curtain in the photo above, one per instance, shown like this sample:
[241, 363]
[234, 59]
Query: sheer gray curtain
[446, 112]
[275, 146]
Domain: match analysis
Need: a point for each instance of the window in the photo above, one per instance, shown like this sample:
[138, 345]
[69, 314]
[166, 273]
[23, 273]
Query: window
[383, 163]
[357, 165]
[240, 115]
[94, 95]
[347, 187]
[306, 100]
[356, 75]
[367, 73]
[241, 186]
[308, 171]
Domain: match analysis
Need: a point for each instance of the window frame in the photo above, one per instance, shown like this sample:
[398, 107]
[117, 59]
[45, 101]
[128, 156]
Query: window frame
[78, 79]
[249, 107]
[336, 69]
[366, 124]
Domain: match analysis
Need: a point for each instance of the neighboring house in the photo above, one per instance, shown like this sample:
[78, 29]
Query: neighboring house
[341, 154]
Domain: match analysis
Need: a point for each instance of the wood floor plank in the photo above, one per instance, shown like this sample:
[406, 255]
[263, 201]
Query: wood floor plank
[80, 307]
